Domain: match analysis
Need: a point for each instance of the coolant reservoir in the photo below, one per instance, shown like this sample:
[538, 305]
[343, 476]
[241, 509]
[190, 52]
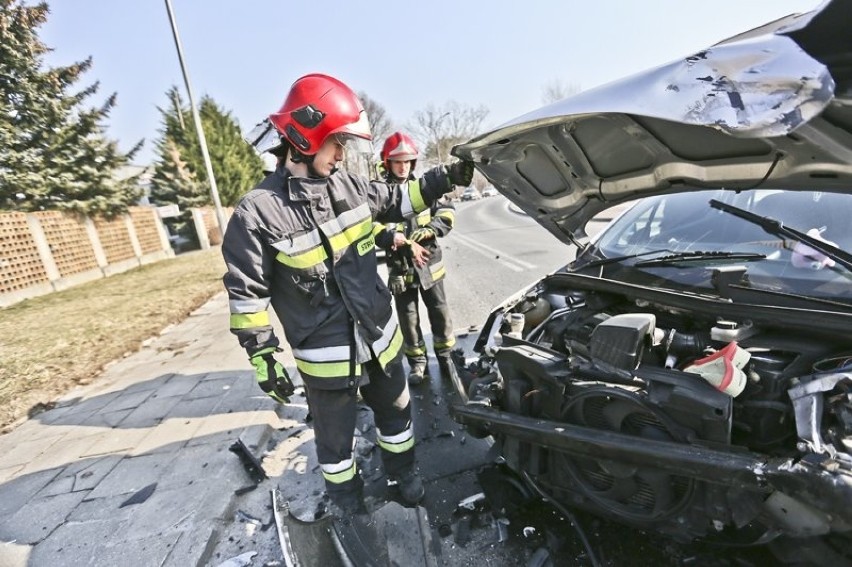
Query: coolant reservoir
[535, 313]
[726, 331]
[516, 325]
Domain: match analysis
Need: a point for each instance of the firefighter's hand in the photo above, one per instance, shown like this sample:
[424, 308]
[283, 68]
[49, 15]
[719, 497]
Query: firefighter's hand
[806, 257]
[424, 233]
[399, 240]
[271, 376]
[419, 254]
[460, 173]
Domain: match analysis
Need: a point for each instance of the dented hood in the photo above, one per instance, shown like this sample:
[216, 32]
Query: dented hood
[770, 107]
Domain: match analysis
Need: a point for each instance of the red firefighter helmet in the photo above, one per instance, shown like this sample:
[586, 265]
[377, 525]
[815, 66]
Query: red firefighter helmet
[316, 107]
[400, 147]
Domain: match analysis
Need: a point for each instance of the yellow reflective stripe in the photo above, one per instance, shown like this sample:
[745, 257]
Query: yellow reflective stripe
[397, 448]
[415, 350]
[340, 477]
[415, 196]
[444, 344]
[448, 215]
[305, 259]
[326, 369]
[378, 228]
[397, 443]
[439, 273]
[351, 234]
[393, 349]
[249, 320]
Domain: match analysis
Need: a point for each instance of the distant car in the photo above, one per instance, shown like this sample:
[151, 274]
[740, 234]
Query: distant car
[489, 191]
[470, 194]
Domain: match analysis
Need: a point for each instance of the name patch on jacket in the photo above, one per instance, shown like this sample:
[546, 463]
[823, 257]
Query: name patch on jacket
[366, 245]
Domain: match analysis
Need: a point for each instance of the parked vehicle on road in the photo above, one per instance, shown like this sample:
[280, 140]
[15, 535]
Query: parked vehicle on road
[489, 191]
[691, 371]
[470, 194]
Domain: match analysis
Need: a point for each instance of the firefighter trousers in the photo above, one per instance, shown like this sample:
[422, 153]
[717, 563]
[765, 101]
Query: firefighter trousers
[435, 300]
[334, 415]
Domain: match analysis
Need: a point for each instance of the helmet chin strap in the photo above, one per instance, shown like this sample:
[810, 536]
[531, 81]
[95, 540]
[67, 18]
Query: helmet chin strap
[299, 157]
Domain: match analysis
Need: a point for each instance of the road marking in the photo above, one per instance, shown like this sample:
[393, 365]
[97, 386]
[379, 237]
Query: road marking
[512, 263]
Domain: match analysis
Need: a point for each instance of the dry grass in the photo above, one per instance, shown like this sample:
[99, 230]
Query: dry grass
[52, 343]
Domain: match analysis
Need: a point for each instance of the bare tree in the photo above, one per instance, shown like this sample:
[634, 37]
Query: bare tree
[438, 129]
[557, 90]
[380, 123]
[364, 162]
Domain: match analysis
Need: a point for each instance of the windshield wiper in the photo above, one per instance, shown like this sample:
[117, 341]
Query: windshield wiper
[615, 259]
[777, 228]
[699, 256]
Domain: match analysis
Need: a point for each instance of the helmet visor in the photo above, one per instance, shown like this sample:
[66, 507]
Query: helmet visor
[264, 137]
[354, 144]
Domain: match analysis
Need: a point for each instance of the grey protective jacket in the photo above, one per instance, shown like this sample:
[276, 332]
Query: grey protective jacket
[307, 246]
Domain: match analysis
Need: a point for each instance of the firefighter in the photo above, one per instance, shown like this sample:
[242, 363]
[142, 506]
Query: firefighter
[302, 241]
[409, 276]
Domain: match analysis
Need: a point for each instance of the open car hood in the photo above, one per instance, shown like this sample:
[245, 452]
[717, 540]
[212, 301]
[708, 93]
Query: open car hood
[771, 107]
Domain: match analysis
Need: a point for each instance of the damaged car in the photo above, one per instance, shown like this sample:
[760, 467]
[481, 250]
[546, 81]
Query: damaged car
[690, 371]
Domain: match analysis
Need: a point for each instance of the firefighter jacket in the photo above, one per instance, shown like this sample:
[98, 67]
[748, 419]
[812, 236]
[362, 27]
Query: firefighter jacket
[307, 247]
[440, 217]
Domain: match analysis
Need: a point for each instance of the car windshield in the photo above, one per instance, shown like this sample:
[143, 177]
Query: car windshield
[679, 240]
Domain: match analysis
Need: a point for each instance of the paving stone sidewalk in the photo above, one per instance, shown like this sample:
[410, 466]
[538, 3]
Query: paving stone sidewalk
[135, 469]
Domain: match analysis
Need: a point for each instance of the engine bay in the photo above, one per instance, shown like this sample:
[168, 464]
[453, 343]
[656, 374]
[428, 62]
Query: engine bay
[664, 417]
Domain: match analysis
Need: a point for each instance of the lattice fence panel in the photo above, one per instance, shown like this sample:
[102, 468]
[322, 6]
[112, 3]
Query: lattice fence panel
[211, 224]
[20, 264]
[115, 239]
[145, 223]
[69, 242]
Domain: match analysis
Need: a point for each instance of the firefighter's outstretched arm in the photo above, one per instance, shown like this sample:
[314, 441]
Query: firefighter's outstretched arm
[396, 202]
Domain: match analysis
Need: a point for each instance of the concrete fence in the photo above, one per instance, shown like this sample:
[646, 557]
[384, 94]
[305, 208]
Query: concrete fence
[50, 251]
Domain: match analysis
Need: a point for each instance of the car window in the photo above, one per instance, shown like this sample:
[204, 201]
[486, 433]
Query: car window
[686, 223]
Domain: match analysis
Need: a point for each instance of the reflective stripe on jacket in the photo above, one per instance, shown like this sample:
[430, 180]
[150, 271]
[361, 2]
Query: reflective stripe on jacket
[306, 246]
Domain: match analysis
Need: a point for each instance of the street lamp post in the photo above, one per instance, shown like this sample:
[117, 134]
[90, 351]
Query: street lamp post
[196, 118]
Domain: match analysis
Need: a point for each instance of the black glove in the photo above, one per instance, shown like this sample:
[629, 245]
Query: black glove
[271, 376]
[460, 173]
[396, 284]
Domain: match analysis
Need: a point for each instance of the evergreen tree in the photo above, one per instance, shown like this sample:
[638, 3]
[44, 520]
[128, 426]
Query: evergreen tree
[53, 153]
[175, 180]
[236, 166]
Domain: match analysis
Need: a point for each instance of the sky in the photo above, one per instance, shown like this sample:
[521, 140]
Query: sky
[502, 54]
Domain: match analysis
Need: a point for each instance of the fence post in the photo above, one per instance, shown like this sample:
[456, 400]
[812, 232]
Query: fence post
[200, 228]
[44, 252]
[134, 240]
[97, 247]
[164, 237]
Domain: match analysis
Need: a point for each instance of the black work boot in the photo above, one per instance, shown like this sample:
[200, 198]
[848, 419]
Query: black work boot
[418, 372]
[410, 487]
[347, 502]
[346, 506]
